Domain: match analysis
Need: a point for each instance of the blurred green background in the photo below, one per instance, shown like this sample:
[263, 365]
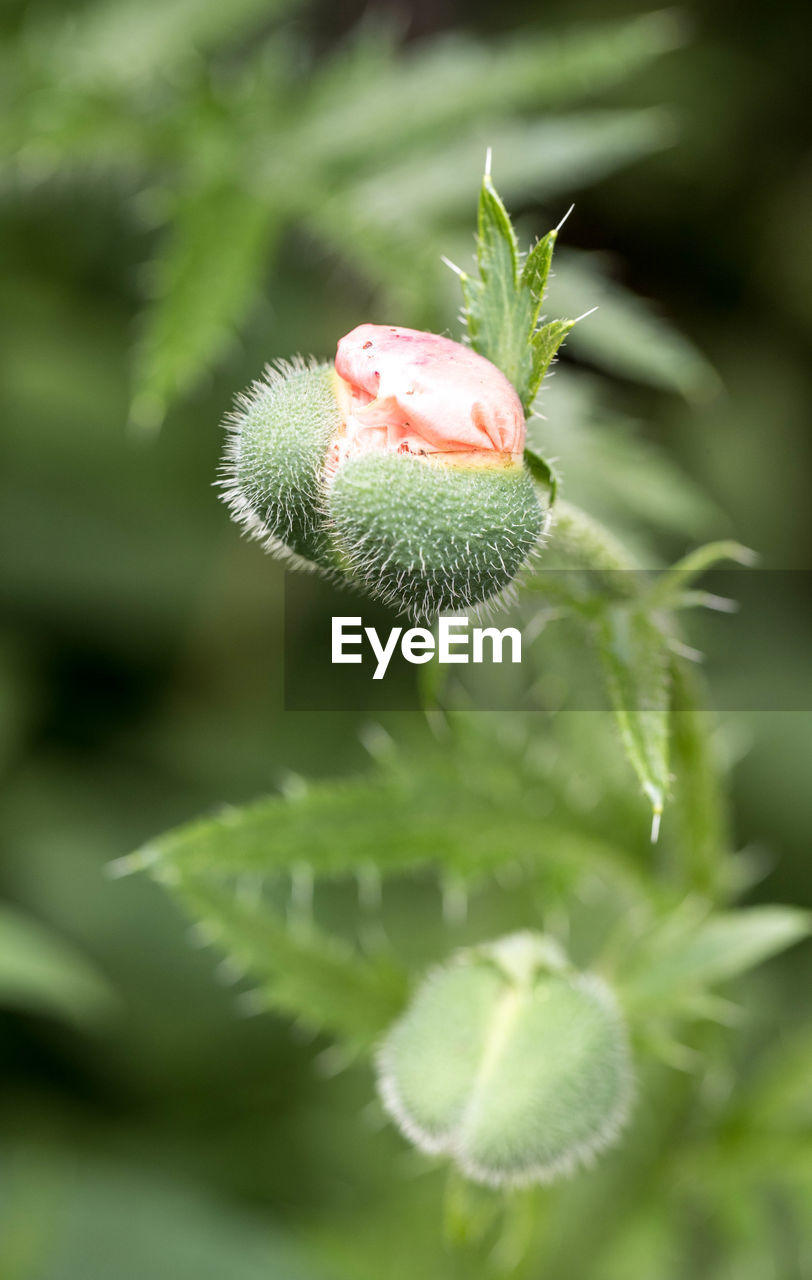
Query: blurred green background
[187, 191]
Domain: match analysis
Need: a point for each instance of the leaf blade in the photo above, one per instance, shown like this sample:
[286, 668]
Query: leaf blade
[42, 973]
[206, 279]
[498, 311]
[676, 962]
[305, 972]
[637, 669]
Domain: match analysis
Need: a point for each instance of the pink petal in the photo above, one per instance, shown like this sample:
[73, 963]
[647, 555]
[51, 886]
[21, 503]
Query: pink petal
[415, 392]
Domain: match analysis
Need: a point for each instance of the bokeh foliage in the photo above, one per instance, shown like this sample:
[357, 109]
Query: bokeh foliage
[178, 174]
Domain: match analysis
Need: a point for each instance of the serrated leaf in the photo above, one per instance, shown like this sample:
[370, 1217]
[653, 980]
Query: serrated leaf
[675, 962]
[453, 814]
[540, 158]
[463, 821]
[206, 279]
[544, 347]
[304, 972]
[126, 45]
[628, 336]
[537, 264]
[502, 306]
[43, 974]
[612, 470]
[636, 663]
[58, 133]
[403, 217]
[354, 115]
[499, 310]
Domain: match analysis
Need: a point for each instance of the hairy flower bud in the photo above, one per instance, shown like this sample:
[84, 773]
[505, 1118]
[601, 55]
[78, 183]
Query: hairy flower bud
[280, 432]
[402, 469]
[510, 1062]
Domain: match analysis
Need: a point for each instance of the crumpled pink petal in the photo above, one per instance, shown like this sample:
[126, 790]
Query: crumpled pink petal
[413, 392]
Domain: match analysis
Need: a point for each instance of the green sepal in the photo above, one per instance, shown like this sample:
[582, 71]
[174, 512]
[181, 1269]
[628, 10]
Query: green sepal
[543, 472]
[428, 537]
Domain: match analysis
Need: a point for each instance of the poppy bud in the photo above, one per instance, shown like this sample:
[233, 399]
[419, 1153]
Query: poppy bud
[279, 434]
[402, 469]
[510, 1062]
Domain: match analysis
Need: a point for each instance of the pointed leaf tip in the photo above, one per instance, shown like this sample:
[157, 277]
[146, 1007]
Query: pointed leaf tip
[656, 819]
[503, 304]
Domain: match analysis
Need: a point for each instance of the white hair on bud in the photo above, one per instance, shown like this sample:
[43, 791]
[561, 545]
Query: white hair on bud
[450, 1139]
[247, 504]
[423, 534]
[486, 522]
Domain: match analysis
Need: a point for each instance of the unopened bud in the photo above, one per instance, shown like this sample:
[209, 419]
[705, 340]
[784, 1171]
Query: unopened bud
[401, 469]
[510, 1062]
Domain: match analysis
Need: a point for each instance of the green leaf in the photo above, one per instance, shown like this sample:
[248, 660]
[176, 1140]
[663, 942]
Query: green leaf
[667, 591]
[636, 663]
[439, 813]
[540, 158]
[125, 46]
[304, 972]
[66, 1214]
[462, 813]
[354, 115]
[778, 1096]
[544, 347]
[500, 313]
[206, 279]
[84, 140]
[41, 973]
[537, 265]
[686, 954]
[653, 698]
[543, 472]
[502, 306]
[612, 470]
[412, 209]
[628, 336]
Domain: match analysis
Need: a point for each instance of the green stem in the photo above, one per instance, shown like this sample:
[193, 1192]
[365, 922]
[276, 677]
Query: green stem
[698, 803]
[588, 545]
[698, 791]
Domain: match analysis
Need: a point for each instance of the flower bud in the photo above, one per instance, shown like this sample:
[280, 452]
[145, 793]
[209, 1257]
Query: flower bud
[510, 1062]
[401, 469]
[430, 501]
[279, 435]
